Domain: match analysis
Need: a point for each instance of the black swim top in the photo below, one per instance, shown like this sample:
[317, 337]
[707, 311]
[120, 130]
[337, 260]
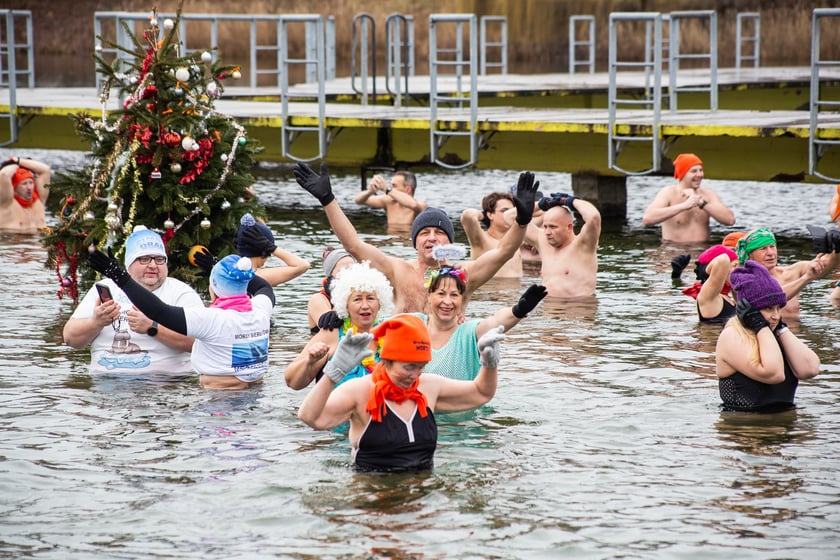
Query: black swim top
[742, 393]
[726, 312]
[395, 445]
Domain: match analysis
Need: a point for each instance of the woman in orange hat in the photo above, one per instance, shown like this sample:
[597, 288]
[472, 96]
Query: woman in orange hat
[391, 412]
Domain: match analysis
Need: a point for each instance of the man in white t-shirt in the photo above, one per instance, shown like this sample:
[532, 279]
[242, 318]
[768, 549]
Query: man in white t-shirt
[121, 338]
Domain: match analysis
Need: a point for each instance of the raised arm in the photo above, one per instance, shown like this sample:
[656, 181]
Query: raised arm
[590, 232]
[368, 196]
[803, 361]
[509, 317]
[295, 266]
[454, 395]
[302, 370]
[319, 186]
[407, 200]
[471, 222]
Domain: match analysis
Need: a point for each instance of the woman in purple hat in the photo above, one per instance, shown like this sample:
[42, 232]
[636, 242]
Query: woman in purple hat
[759, 360]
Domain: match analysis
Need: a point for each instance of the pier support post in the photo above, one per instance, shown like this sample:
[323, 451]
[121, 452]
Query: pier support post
[608, 193]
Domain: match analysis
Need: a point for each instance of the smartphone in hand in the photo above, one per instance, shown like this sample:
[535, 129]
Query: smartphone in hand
[104, 292]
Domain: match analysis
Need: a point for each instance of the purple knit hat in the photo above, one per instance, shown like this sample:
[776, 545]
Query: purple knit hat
[754, 283]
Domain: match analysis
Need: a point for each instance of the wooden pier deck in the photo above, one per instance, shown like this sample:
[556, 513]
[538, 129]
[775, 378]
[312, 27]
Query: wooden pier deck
[541, 122]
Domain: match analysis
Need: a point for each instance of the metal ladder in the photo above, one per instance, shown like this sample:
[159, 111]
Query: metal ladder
[652, 100]
[818, 147]
[675, 56]
[399, 56]
[438, 134]
[363, 41]
[314, 64]
[742, 40]
[574, 43]
[8, 64]
[486, 43]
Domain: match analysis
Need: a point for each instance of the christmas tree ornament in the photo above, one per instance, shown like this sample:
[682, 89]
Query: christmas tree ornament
[193, 250]
[205, 224]
[153, 22]
[182, 74]
[168, 224]
[212, 90]
[225, 205]
[112, 206]
[178, 91]
[187, 143]
[89, 216]
[175, 167]
[206, 57]
[242, 140]
[236, 74]
[155, 174]
[168, 24]
[223, 157]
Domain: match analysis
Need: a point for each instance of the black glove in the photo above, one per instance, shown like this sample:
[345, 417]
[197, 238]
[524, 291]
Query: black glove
[750, 316]
[529, 300]
[10, 161]
[205, 260]
[108, 266]
[253, 238]
[317, 185]
[822, 239]
[678, 264]
[329, 321]
[557, 199]
[526, 195]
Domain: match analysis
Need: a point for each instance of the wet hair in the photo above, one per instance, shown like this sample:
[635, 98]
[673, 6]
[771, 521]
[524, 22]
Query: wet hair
[489, 202]
[361, 278]
[409, 179]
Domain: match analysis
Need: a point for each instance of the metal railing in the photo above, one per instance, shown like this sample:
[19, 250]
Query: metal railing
[453, 58]
[651, 101]
[500, 45]
[9, 72]
[588, 43]
[314, 64]
[103, 22]
[743, 40]
[399, 56]
[819, 147]
[364, 42]
[675, 56]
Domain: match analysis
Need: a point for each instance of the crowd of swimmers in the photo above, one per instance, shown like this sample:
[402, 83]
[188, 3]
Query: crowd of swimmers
[392, 341]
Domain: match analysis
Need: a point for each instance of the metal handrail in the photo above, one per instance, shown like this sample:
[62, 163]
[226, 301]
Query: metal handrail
[588, 43]
[817, 148]
[754, 39]
[9, 52]
[399, 56]
[501, 44]
[437, 135]
[367, 24]
[652, 102]
[675, 56]
[10, 46]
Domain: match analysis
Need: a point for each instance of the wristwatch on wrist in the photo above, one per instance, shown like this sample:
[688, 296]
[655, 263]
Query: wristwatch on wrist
[703, 204]
[153, 329]
[388, 189]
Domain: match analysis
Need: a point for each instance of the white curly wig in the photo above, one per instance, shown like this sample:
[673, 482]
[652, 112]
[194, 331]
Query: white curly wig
[362, 278]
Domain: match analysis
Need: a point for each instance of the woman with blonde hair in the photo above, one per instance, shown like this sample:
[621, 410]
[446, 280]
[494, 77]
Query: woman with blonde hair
[759, 361]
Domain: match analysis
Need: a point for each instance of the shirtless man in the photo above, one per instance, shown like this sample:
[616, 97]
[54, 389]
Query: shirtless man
[23, 195]
[397, 199]
[569, 260]
[431, 227]
[760, 246]
[493, 211]
[684, 209]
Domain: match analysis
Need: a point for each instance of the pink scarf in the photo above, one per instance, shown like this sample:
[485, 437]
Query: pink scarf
[237, 303]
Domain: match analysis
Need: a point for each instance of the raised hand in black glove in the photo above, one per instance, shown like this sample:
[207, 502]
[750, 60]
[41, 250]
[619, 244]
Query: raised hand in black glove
[255, 241]
[529, 300]
[526, 195]
[833, 239]
[108, 266]
[205, 260]
[750, 316]
[329, 321]
[317, 185]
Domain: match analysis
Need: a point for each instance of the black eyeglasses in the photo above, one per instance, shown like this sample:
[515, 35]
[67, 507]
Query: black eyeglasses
[146, 260]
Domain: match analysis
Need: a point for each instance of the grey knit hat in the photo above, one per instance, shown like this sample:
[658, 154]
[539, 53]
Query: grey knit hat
[432, 217]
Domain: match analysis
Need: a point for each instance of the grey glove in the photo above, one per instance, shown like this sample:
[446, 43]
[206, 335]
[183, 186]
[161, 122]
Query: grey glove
[488, 347]
[349, 353]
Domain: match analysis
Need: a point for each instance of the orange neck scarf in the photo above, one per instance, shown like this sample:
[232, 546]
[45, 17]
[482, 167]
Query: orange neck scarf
[385, 390]
[27, 203]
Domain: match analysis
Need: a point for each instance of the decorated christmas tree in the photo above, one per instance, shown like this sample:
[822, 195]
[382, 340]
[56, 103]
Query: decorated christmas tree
[167, 160]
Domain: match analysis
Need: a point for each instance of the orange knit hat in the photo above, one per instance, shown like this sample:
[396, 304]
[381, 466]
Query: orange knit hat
[405, 338]
[21, 174]
[684, 162]
[835, 212]
[731, 239]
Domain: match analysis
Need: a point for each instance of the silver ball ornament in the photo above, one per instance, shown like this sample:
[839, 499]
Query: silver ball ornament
[168, 224]
[182, 74]
[168, 24]
[175, 167]
[206, 57]
[205, 224]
